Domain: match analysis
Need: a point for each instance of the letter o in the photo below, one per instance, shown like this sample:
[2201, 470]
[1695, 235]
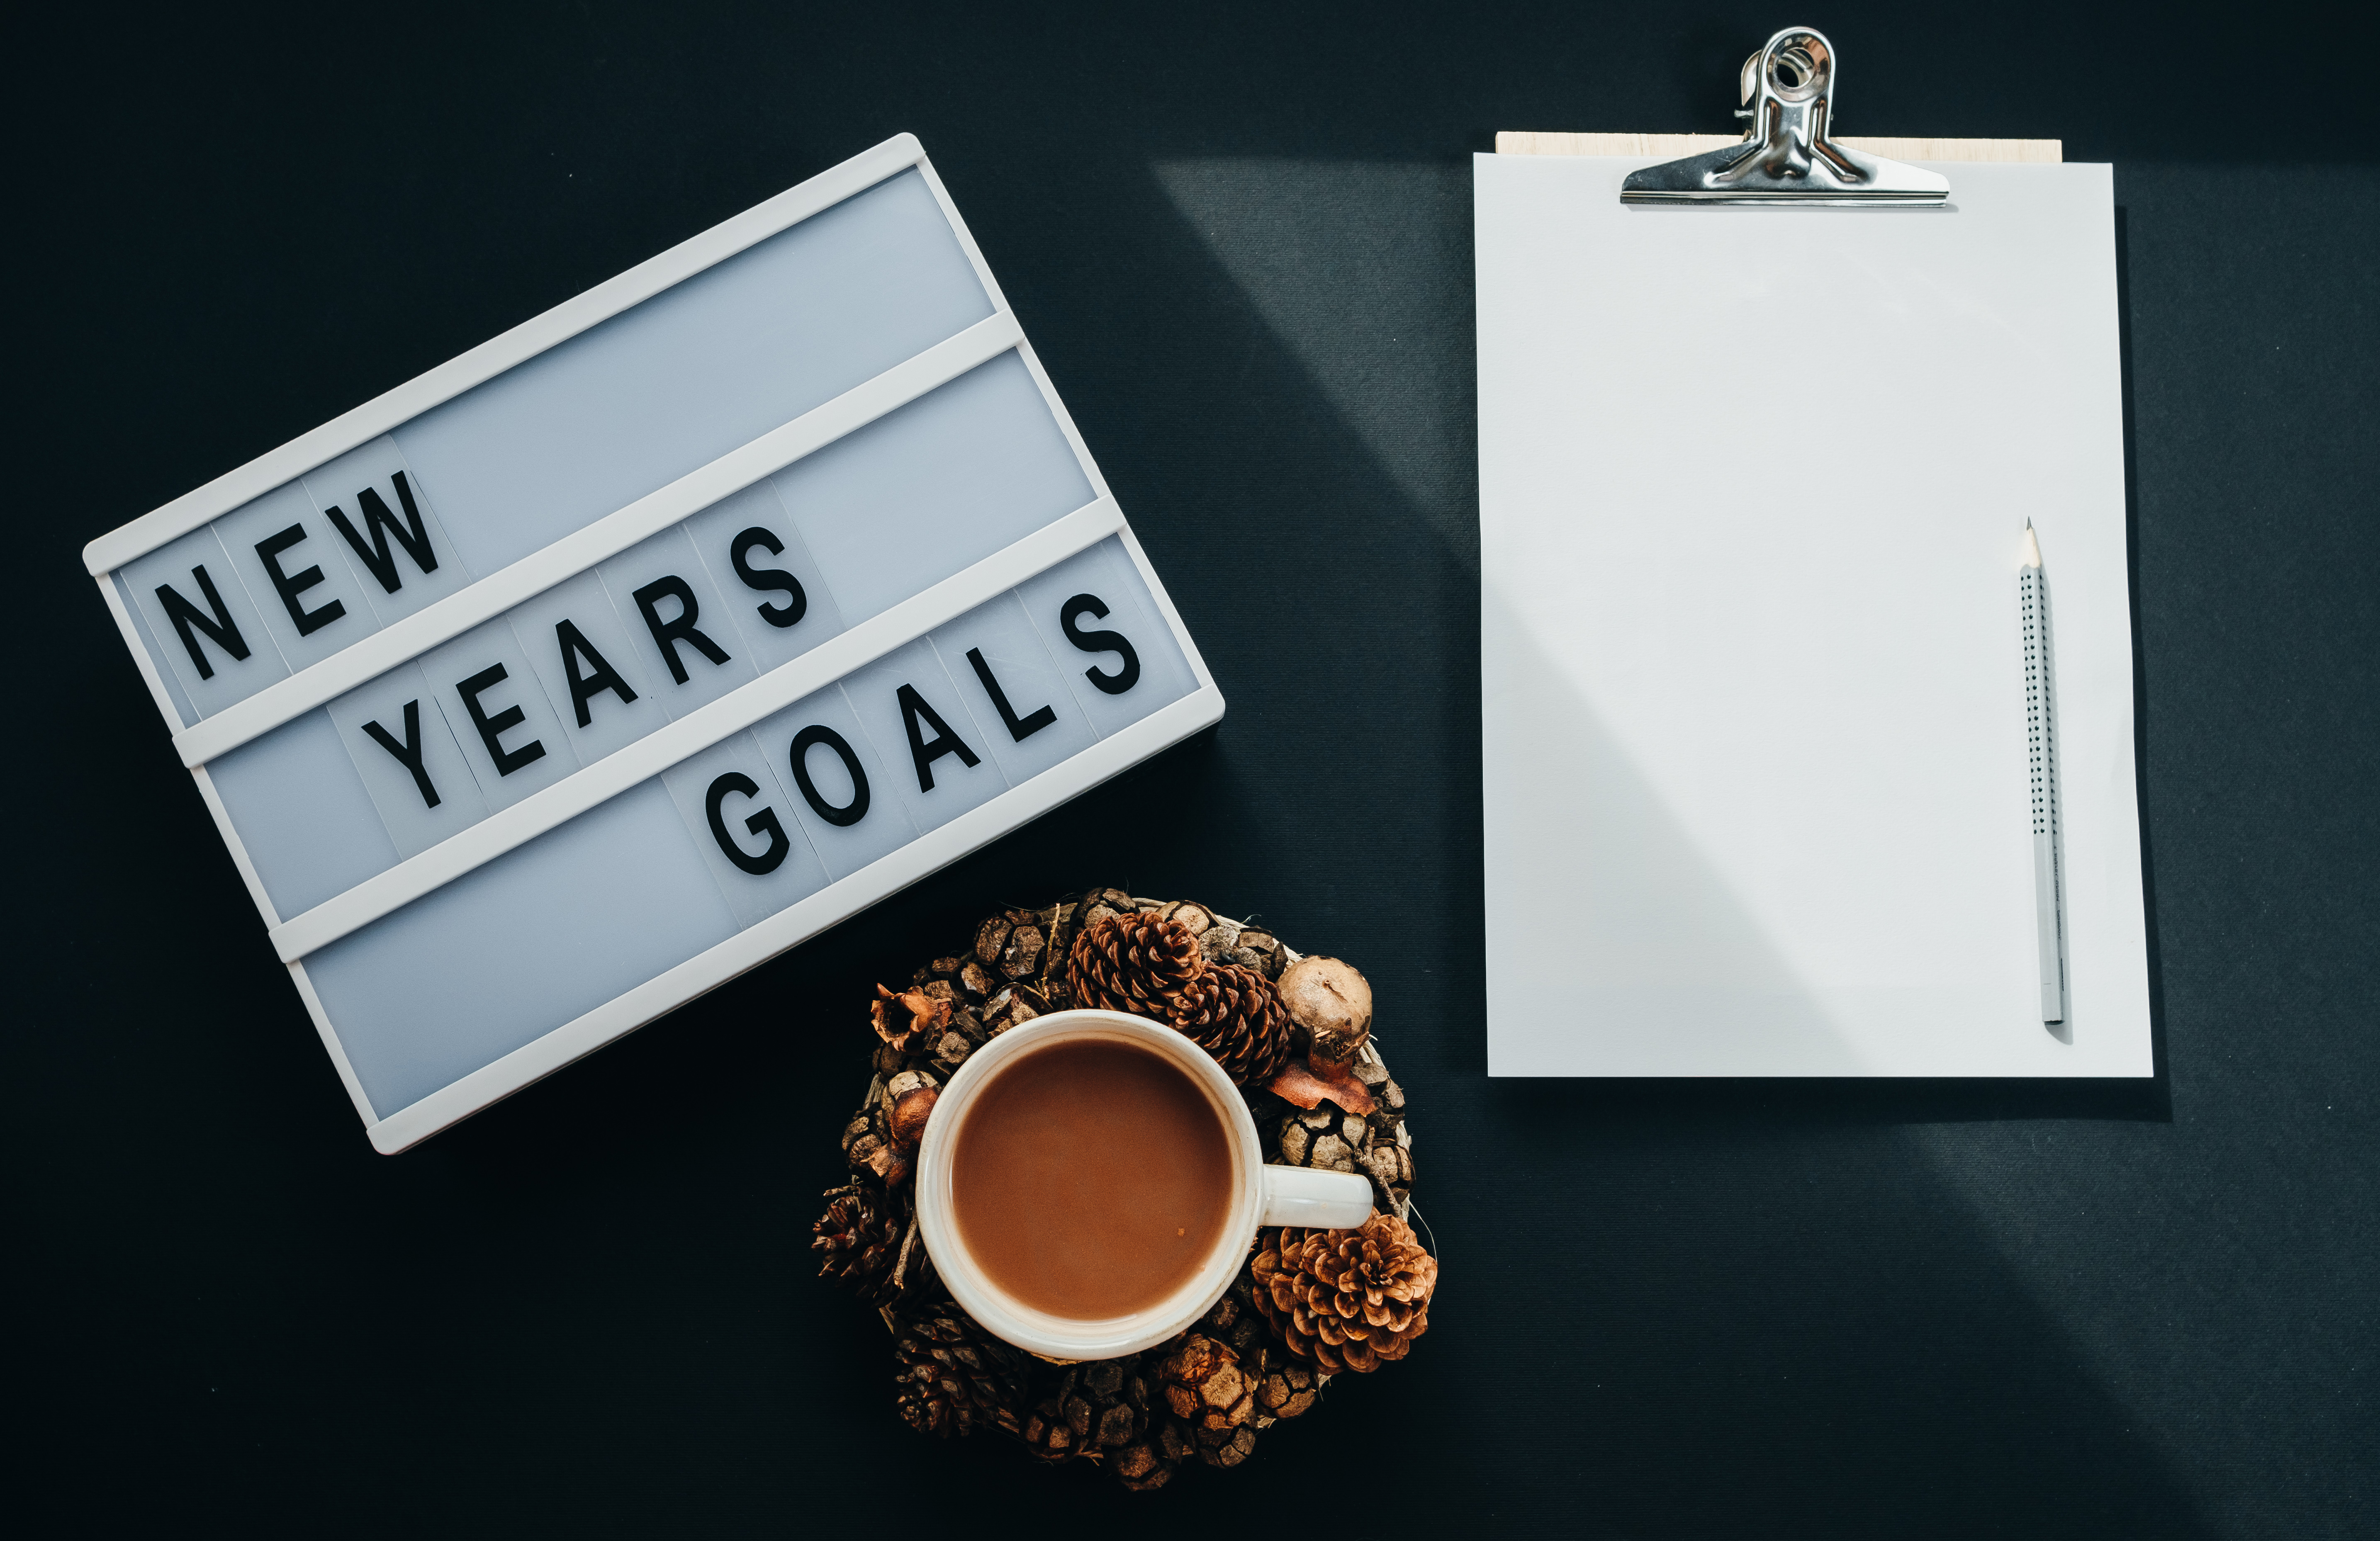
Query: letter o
[810, 739]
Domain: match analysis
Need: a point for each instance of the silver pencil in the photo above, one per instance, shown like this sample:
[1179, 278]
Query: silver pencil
[2049, 876]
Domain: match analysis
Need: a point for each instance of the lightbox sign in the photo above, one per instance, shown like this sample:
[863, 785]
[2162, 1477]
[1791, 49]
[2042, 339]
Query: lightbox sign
[630, 648]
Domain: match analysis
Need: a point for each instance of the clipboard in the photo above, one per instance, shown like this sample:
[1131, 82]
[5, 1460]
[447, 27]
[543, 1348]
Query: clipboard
[1761, 426]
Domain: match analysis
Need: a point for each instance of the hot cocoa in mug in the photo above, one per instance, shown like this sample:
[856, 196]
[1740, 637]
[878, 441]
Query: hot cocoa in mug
[1090, 1184]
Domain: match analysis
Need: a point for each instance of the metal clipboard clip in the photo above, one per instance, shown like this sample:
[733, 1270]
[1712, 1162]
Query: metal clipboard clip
[1787, 155]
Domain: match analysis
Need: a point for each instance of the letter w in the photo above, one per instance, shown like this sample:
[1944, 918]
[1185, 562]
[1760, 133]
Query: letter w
[412, 534]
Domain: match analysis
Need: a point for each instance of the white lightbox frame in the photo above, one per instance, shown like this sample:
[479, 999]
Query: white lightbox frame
[305, 690]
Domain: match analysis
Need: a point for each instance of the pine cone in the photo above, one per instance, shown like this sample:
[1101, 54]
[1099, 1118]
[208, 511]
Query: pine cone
[1134, 962]
[1097, 1409]
[954, 1378]
[857, 1243]
[1149, 1463]
[1237, 1015]
[1324, 1138]
[1286, 1386]
[1348, 1299]
[1374, 1145]
[1208, 1389]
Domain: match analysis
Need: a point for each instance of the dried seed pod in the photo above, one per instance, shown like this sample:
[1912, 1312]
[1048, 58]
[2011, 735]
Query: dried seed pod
[891, 1165]
[900, 1085]
[1388, 1165]
[1023, 953]
[1193, 917]
[1258, 949]
[1332, 1003]
[1101, 903]
[913, 1108]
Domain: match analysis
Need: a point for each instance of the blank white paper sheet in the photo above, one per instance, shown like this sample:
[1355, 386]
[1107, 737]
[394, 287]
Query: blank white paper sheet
[1753, 484]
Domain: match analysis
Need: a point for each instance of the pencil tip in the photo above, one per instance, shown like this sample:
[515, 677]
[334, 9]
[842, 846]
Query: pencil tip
[2032, 547]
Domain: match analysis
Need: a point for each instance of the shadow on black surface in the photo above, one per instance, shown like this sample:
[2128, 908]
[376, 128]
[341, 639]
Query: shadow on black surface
[1724, 1308]
[1778, 1319]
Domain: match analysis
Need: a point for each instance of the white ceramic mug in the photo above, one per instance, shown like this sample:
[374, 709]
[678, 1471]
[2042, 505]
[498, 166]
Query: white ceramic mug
[1261, 1195]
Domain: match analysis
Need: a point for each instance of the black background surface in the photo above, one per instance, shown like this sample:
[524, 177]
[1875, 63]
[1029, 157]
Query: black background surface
[1240, 240]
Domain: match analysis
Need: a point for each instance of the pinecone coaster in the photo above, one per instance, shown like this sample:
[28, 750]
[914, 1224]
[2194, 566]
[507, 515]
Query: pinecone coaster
[1295, 1034]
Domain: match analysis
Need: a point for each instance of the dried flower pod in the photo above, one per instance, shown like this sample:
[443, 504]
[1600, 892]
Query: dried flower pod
[901, 1019]
[1331, 1004]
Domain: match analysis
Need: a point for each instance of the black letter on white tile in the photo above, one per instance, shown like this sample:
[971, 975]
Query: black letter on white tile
[667, 634]
[268, 551]
[491, 728]
[766, 579]
[763, 822]
[412, 535]
[408, 753]
[184, 615]
[1019, 728]
[585, 687]
[1125, 678]
[849, 813]
[923, 750]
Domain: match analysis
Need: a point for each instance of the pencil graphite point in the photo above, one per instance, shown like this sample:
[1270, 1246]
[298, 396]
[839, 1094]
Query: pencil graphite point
[2032, 547]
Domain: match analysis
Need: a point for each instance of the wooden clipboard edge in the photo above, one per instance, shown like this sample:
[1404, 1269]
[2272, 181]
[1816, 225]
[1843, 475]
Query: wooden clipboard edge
[1524, 141]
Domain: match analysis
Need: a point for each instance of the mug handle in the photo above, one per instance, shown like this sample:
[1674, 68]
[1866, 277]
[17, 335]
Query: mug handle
[1320, 1200]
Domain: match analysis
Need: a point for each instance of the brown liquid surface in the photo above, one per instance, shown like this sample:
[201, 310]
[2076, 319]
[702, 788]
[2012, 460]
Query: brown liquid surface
[1091, 1179]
